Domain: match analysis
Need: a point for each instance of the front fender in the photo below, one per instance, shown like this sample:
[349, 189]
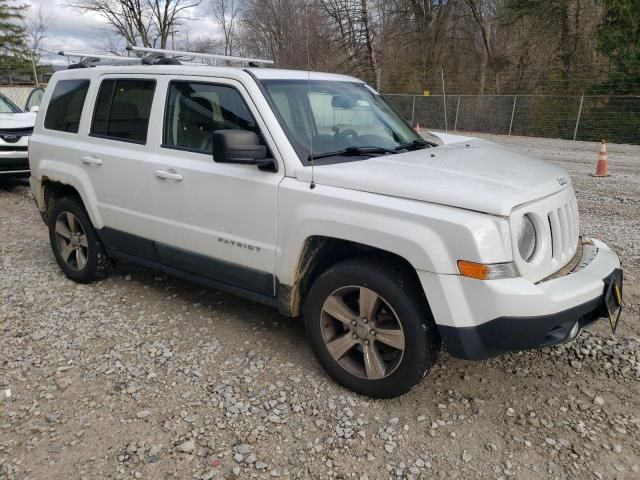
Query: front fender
[430, 237]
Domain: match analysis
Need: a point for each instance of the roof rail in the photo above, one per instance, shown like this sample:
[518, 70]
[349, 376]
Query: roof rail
[92, 59]
[152, 54]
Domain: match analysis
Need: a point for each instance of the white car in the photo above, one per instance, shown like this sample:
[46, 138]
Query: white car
[306, 191]
[16, 127]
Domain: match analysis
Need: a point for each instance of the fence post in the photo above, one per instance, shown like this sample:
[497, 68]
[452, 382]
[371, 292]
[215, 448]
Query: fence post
[455, 123]
[413, 111]
[444, 103]
[513, 111]
[575, 132]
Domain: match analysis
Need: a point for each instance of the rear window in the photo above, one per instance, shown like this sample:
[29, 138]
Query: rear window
[122, 110]
[65, 107]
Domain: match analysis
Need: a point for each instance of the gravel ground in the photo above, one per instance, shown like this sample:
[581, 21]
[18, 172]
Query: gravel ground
[147, 376]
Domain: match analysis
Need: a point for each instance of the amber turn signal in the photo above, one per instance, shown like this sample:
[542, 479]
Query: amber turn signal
[483, 271]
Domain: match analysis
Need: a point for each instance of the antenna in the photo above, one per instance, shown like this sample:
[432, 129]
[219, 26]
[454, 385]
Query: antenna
[312, 185]
[155, 53]
[444, 102]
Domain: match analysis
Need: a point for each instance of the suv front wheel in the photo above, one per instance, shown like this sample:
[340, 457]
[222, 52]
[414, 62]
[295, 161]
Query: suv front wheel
[75, 244]
[371, 328]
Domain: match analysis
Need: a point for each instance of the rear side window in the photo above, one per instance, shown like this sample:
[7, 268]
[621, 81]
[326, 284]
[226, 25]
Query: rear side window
[122, 110]
[65, 107]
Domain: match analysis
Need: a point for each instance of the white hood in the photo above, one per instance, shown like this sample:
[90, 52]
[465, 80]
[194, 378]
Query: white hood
[475, 175]
[10, 121]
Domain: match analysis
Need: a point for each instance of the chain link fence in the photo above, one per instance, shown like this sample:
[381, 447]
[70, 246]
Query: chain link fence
[581, 117]
[587, 117]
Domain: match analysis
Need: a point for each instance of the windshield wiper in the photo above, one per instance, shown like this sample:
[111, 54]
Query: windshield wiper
[352, 151]
[414, 145]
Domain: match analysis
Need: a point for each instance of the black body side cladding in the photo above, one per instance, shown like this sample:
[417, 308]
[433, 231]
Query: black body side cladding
[253, 284]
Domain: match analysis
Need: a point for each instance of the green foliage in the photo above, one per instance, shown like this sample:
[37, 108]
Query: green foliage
[12, 35]
[619, 39]
[616, 119]
[13, 59]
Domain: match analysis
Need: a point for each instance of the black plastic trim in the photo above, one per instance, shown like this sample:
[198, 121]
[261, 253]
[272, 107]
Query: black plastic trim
[213, 268]
[506, 334]
[253, 284]
[128, 243]
[207, 282]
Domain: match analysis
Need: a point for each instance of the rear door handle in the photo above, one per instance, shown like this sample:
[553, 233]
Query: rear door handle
[169, 175]
[90, 160]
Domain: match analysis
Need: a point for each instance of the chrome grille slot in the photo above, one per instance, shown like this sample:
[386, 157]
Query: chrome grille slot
[563, 223]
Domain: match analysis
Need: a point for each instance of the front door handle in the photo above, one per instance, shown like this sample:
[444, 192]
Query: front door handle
[169, 175]
[91, 160]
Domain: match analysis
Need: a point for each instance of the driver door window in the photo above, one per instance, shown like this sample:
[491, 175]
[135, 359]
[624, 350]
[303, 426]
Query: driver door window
[196, 110]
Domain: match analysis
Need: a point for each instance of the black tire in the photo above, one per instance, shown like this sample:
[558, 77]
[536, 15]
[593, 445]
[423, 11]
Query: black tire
[399, 289]
[97, 265]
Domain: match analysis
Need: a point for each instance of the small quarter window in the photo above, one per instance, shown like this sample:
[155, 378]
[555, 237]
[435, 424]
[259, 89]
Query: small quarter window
[122, 110]
[65, 107]
[196, 110]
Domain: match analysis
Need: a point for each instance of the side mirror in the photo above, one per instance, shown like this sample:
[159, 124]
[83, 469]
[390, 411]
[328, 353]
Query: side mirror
[238, 146]
[34, 109]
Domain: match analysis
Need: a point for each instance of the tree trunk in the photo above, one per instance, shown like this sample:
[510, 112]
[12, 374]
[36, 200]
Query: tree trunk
[372, 62]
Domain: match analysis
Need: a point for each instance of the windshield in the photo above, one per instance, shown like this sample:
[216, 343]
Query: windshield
[7, 106]
[335, 116]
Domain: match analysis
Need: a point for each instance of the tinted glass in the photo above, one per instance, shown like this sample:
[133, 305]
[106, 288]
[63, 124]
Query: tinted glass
[7, 106]
[65, 106]
[122, 110]
[196, 110]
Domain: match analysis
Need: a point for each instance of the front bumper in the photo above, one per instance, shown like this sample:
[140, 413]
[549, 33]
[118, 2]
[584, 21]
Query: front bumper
[480, 319]
[14, 162]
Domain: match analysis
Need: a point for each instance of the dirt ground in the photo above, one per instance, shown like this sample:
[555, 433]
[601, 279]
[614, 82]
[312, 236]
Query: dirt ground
[147, 376]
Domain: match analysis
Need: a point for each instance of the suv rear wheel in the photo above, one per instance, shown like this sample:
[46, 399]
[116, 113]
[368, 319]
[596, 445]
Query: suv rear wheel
[371, 328]
[75, 244]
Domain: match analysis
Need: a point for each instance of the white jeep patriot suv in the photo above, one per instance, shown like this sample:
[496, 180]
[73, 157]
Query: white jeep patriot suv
[308, 192]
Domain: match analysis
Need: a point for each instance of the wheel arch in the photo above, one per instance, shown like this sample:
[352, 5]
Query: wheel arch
[318, 253]
[53, 187]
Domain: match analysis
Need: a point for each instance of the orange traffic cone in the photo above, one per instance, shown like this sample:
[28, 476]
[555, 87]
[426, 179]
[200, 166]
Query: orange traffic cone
[601, 168]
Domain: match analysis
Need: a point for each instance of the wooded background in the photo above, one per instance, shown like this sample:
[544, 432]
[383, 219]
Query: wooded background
[482, 46]
[566, 50]
[404, 46]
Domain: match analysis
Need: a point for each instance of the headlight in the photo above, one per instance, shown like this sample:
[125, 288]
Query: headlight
[527, 239]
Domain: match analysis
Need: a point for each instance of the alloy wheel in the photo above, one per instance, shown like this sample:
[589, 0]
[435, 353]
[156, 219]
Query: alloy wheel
[72, 241]
[362, 332]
